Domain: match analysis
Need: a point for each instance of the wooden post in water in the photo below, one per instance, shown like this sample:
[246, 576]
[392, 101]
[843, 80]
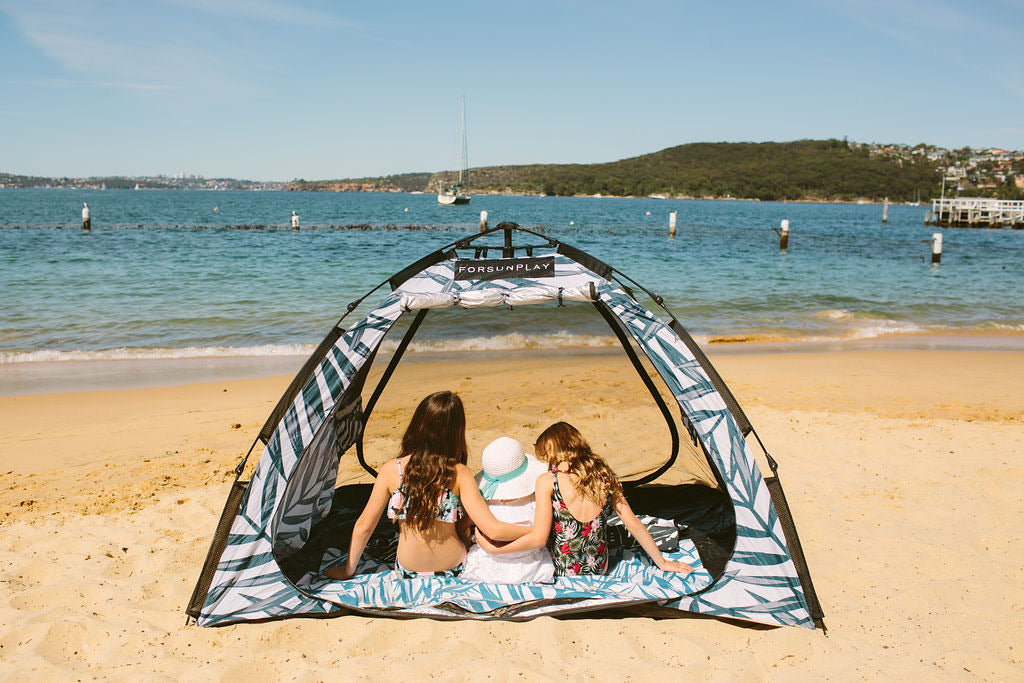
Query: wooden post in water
[86, 221]
[784, 235]
[295, 221]
[936, 247]
[885, 211]
[483, 221]
[672, 224]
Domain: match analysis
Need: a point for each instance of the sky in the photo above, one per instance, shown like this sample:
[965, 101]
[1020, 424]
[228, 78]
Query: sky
[321, 89]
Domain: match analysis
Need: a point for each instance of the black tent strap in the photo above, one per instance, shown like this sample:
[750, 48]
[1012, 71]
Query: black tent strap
[434, 258]
[217, 545]
[597, 266]
[730, 401]
[298, 382]
[379, 389]
[616, 325]
[480, 251]
[796, 551]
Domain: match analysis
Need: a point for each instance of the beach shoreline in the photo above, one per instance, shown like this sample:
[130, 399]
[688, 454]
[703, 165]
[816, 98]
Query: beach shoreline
[61, 376]
[902, 469]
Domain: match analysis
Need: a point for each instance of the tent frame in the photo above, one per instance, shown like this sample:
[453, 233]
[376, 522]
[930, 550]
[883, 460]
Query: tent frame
[508, 250]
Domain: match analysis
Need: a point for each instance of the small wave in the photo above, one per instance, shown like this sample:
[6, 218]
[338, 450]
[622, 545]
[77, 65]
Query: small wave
[502, 342]
[881, 328]
[834, 314]
[1003, 327]
[124, 353]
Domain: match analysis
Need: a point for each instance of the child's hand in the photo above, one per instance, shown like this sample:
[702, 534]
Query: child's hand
[341, 572]
[488, 544]
[673, 566]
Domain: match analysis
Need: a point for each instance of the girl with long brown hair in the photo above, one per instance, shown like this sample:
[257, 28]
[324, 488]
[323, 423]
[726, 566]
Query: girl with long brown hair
[574, 501]
[427, 491]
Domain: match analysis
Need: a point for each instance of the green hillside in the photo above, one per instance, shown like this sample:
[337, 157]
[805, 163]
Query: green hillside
[805, 169]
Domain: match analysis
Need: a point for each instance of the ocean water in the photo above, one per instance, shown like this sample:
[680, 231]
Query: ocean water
[180, 274]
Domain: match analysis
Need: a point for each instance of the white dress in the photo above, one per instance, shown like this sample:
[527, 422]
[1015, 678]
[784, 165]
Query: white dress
[527, 566]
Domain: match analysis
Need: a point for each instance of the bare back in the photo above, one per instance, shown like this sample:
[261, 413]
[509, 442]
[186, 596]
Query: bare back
[436, 548]
[582, 509]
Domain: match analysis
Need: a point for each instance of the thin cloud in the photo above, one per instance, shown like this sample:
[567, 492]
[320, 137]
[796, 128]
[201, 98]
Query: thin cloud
[123, 45]
[73, 83]
[266, 10]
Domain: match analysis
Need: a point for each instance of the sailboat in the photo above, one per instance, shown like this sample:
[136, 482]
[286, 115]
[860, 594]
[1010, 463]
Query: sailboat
[457, 194]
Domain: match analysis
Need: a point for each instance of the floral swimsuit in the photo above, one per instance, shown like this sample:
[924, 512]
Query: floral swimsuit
[577, 547]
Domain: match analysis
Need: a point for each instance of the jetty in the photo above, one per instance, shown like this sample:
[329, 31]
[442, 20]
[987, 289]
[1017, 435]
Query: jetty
[975, 212]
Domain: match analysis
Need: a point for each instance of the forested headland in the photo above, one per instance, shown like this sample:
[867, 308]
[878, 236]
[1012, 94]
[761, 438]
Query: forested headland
[800, 170]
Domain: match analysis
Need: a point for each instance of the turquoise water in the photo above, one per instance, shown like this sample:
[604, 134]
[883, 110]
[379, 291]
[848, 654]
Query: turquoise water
[170, 274]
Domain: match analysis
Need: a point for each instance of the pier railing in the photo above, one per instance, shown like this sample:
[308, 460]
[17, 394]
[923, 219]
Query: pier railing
[976, 212]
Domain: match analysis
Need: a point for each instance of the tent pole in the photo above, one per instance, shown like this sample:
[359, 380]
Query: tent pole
[616, 326]
[379, 389]
[508, 251]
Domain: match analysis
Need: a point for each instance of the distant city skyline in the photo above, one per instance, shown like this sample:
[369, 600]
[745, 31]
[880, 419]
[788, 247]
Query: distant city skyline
[277, 90]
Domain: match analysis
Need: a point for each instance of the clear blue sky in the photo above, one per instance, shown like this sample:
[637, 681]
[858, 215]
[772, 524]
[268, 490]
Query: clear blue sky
[282, 89]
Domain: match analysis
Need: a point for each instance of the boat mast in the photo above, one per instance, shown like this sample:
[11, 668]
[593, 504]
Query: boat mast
[463, 166]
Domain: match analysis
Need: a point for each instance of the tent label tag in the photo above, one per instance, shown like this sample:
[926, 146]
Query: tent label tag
[497, 269]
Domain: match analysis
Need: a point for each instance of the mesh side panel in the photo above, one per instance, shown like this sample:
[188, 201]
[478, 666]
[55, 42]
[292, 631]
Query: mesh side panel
[220, 540]
[795, 549]
[730, 401]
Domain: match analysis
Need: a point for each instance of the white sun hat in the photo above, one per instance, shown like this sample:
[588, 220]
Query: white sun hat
[508, 472]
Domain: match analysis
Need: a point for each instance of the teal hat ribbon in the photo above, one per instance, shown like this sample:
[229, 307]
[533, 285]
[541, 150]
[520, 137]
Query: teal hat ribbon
[490, 484]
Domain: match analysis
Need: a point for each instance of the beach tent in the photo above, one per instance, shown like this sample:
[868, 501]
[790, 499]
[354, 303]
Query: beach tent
[282, 528]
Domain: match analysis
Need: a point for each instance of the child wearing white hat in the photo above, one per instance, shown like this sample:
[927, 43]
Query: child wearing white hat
[507, 484]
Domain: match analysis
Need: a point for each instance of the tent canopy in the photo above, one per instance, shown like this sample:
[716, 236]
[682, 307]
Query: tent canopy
[282, 528]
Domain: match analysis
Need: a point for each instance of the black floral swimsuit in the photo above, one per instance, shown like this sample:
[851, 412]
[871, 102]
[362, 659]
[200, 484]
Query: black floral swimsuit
[578, 547]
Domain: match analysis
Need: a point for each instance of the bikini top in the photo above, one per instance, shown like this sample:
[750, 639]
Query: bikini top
[449, 507]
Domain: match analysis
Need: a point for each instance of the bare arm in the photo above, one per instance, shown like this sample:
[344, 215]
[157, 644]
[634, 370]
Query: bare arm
[641, 534]
[367, 522]
[476, 508]
[538, 534]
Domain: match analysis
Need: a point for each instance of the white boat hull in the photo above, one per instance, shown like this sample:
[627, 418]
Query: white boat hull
[450, 198]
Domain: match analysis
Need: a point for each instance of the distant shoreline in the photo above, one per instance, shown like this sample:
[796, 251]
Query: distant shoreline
[803, 200]
[799, 170]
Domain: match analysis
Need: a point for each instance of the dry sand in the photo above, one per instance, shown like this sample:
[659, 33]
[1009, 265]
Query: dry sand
[903, 470]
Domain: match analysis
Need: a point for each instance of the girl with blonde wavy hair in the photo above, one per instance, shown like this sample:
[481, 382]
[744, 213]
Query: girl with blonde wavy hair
[575, 498]
[430, 494]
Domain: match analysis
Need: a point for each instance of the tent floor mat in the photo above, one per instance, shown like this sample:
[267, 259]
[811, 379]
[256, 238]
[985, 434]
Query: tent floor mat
[702, 514]
[704, 533]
